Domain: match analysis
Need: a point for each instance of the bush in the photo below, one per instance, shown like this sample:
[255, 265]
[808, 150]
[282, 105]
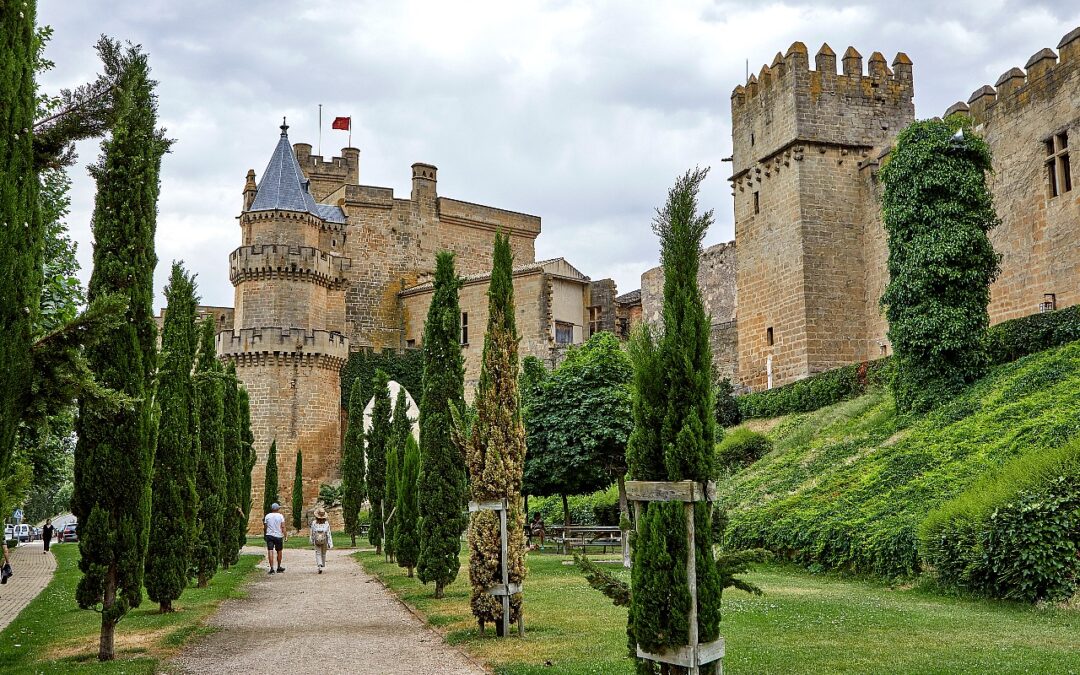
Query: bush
[740, 448]
[1010, 340]
[598, 508]
[727, 408]
[1015, 533]
[816, 391]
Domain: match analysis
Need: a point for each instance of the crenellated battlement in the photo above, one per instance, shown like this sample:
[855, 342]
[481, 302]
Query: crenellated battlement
[280, 261]
[249, 217]
[1016, 89]
[327, 176]
[250, 346]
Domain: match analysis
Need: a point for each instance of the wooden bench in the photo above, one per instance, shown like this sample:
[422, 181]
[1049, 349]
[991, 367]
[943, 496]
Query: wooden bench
[571, 537]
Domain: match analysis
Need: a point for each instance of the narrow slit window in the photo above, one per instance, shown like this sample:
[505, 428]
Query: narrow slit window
[769, 336]
[751, 140]
[464, 328]
[757, 202]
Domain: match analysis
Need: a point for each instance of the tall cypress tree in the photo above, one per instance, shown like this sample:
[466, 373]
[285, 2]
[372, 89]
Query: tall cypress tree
[377, 440]
[395, 458]
[673, 440]
[407, 532]
[247, 441]
[298, 492]
[270, 480]
[175, 502]
[21, 229]
[495, 450]
[210, 477]
[442, 470]
[114, 456]
[233, 450]
[352, 464]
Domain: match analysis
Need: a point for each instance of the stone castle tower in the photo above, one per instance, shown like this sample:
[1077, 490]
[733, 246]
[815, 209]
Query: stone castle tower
[800, 137]
[287, 338]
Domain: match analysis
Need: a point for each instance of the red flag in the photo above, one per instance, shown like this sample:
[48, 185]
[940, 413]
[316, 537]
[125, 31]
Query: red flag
[343, 123]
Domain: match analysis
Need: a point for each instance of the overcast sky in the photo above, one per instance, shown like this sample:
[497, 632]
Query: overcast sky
[580, 112]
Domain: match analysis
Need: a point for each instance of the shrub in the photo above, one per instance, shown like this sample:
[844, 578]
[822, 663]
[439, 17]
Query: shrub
[1015, 533]
[599, 508]
[816, 391]
[1010, 340]
[727, 408]
[740, 448]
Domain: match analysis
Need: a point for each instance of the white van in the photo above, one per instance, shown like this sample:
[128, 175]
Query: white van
[23, 533]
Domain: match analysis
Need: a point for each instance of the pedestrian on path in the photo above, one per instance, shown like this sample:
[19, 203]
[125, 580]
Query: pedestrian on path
[5, 570]
[274, 534]
[321, 538]
[47, 534]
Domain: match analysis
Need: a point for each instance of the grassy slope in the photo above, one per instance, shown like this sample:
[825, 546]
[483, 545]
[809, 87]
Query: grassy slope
[847, 486]
[803, 624]
[52, 635]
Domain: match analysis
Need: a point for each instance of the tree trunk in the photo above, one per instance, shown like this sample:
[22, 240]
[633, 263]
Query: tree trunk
[565, 510]
[353, 536]
[106, 649]
[624, 517]
[526, 506]
[439, 590]
[165, 607]
[202, 580]
[410, 572]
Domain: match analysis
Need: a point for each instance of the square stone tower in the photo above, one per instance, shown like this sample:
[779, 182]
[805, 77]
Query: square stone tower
[799, 135]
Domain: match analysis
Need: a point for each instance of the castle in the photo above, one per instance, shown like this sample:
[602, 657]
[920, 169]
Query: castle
[797, 292]
[327, 266]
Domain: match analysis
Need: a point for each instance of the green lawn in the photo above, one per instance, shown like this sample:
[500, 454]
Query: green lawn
[53, 636]
[341, 540]
[803, 624]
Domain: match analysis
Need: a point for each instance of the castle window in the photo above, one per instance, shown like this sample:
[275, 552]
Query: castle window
[410, 344]
[465, 328]
[594, 320]
[769, 336]
[751, 140]
[757, 202]
[1049, 302]
[564, 333]
[1058, 172]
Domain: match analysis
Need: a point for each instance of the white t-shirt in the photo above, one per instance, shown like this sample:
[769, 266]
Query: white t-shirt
[274, 523]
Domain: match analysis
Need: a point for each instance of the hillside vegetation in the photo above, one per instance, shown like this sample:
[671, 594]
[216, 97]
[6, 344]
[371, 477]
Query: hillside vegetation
[849, 485]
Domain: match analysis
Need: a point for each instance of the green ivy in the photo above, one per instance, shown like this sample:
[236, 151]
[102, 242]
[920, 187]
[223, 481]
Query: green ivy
[405, 367]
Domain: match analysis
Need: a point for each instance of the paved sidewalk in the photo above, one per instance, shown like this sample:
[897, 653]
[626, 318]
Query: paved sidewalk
[33, 569]
[341, 621]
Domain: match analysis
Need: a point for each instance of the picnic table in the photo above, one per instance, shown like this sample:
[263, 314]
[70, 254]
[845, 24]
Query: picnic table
[569, 537]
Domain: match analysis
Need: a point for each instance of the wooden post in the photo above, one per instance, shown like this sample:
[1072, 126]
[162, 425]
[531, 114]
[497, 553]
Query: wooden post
[505, 589]
[691, 580]
[505, 569]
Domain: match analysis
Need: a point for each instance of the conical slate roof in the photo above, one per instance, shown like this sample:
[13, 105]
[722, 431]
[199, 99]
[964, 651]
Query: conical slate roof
[284, 187]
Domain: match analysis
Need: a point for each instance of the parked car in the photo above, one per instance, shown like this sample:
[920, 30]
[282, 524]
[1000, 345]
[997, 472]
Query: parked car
[24, 533]
[69, 533]
[9, 532]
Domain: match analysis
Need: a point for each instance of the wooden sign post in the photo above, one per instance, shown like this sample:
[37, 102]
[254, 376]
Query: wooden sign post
[694, 655]
[505, 589]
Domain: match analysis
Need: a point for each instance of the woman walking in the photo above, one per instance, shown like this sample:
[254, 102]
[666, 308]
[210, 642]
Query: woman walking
[320, 537]
[47, 534]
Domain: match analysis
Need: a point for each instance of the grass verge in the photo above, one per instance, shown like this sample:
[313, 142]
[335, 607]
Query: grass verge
[52, 635]
[803, 624]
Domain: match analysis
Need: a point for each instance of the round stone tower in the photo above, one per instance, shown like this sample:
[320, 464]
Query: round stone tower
[287, 338]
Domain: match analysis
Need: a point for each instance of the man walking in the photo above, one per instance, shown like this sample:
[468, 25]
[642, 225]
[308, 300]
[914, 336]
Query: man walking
[274, 534]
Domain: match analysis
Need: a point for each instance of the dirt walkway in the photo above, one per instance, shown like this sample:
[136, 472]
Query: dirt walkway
[33, 570]
[340, 621]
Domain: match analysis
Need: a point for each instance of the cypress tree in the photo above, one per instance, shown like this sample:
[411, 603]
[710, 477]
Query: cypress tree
[247, 443]
[114, 455]
[442, 470]
[233, 525]
[270, 479]
[673, 440]
[352, 464]
[21, 228]
[377, 440]
[395, 458]
[298, 492]
[175, 502]
[407, 532]
[210, 477]
[495, 450]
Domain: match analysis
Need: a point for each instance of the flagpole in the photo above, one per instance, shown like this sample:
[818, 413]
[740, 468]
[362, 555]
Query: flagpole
[320, 130]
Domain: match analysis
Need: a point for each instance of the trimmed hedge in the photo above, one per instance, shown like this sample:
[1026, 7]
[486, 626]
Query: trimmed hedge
[740, 448]
[1006, 342]
[1013, 534]
[405, 367]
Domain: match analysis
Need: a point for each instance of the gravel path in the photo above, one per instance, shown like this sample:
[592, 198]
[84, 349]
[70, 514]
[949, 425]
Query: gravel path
[340, 621]
[32, 570]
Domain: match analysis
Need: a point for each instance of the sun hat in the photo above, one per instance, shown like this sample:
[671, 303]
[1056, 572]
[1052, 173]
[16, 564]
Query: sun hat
[275, 506]
[320, 513]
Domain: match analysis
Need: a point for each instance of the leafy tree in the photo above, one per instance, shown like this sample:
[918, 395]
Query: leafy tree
[400, 427]
[442, 469]
[407, 531]
[495, 450]
[298, 492]
[352, 464]
[673, 439]
[210, 475]
[937, 213]
[377, 441]
[578, 419]
[21, 232]
[727, 408]
[234, 525]
[270, 480]
[247, 439]
[175, 501]
[115, 452]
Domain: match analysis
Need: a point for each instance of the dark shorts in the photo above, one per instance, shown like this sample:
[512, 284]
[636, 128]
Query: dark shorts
[273, 543]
